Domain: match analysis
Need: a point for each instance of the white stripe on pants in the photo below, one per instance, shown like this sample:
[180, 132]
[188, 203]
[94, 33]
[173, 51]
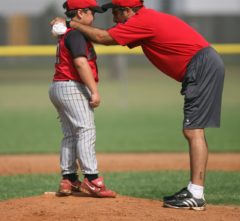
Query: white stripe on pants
[71, 100]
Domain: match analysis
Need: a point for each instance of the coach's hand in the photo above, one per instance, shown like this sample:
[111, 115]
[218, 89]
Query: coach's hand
[95, 100]
[58, 20]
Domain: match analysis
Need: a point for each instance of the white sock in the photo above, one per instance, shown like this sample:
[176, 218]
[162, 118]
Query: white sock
[196, 190]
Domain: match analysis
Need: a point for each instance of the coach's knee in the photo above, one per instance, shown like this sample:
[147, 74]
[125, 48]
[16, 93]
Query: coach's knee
[190, 134]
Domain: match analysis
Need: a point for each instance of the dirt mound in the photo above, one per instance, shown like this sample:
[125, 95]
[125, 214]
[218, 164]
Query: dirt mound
[48, 208]
[122, 208]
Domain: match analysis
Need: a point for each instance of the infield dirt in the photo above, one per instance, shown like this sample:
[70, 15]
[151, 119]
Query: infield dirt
[76, 208]
[24, 164]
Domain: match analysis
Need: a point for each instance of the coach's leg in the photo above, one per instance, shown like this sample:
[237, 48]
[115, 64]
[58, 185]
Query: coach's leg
[198, 152]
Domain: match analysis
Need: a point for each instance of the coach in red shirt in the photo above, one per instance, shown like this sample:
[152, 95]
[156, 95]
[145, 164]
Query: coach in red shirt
[183, 54]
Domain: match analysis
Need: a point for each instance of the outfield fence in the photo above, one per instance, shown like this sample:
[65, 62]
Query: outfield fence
[50, 50]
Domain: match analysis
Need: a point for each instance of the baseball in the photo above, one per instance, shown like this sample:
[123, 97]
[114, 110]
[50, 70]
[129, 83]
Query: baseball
[58, 29]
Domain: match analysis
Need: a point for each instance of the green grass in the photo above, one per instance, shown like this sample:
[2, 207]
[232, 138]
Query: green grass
[141, 114]
[39, 132]
[222, 187]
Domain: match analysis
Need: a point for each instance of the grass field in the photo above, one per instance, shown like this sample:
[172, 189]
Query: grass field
[142, 113]
[151, 185]
[139, 113]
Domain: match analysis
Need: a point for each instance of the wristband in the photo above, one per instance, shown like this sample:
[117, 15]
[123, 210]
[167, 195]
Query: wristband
[68, 20]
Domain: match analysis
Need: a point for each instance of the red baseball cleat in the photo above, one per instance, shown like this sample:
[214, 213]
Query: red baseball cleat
[96, 188]
[67, 187]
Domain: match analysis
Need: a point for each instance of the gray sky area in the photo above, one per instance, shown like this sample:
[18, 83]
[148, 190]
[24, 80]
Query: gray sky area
[32, 7]
[209, 6]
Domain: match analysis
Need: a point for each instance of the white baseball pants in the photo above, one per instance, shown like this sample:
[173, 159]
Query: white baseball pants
[71, 100]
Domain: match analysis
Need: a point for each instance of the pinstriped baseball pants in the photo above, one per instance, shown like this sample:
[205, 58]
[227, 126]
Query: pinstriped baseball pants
[71, 100]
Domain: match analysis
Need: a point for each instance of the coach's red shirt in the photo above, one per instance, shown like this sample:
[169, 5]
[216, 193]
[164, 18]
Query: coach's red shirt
[79, 46]
[168, 42]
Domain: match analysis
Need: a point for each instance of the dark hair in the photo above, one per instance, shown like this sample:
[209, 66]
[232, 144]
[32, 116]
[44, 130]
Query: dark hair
[65, 5]
[69, 13]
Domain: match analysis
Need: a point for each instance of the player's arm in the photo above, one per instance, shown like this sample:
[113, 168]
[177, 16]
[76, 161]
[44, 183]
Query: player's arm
[85, 73]
[77, 45]
[96, 35]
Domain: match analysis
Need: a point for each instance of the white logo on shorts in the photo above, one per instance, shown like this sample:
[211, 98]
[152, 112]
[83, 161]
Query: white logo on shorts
[187, 122]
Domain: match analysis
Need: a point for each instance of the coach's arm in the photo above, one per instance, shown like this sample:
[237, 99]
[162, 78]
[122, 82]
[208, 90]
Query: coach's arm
[96, 35]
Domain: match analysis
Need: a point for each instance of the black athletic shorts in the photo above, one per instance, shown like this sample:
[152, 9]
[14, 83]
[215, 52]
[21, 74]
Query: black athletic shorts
[202, 87]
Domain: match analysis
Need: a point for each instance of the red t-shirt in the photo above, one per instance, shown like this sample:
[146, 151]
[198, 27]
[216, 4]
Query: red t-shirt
[78, 46]
[168, 42]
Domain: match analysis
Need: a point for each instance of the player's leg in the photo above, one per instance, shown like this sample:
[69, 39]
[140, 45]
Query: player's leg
[59, 94]
[85, 135]
[71, 100]
[68, 157]
[68, 147]
[79, 118]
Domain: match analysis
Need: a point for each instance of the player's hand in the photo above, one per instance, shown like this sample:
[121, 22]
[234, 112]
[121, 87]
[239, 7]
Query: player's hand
[95, 100]
[58, 20]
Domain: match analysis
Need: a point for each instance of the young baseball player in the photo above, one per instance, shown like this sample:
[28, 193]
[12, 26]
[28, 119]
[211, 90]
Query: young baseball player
[183, 54]
[74, 94]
